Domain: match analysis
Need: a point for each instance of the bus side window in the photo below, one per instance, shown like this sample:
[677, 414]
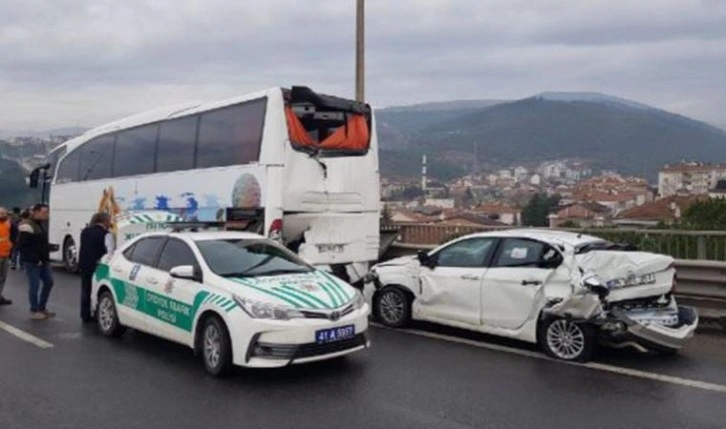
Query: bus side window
[96, 157]
[175, 150]
[231, 135]
[135, 151]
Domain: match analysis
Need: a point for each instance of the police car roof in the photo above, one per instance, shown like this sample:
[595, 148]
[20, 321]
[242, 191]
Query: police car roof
[210, 235]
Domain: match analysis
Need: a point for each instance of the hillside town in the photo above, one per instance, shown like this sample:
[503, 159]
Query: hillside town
[580, 196]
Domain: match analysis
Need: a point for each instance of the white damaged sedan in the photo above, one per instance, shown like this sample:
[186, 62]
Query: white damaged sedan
[567, 292]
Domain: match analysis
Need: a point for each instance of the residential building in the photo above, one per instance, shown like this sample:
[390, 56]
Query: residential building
[664, 210]
[693, 178]
[500, 212]
[444, 203]
[520, 173]
[584, 215]
[719, 191]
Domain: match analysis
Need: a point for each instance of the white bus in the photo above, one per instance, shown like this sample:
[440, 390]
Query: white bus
[302, 167]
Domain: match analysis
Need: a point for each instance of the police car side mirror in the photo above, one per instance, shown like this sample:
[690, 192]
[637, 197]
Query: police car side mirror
[183, 272]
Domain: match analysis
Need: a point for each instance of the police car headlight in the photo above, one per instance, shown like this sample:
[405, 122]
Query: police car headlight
[263, 310]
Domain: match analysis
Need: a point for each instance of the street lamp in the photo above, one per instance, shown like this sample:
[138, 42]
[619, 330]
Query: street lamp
[360, 51]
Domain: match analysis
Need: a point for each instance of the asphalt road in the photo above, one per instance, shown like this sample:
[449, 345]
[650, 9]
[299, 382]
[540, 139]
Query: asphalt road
[425, 377]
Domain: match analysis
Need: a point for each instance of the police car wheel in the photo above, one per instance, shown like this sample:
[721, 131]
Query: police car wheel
[107, 317]
[392, 307]
[216, 347]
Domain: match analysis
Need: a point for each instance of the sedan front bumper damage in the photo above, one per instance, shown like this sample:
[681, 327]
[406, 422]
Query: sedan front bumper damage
[656, 336]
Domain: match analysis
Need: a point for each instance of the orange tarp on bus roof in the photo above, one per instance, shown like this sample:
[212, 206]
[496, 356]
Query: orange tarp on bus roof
[354, 135]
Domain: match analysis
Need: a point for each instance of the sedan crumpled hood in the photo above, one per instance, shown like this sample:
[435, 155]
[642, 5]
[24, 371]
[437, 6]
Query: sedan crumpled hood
[616, 264]
[630, 275]
[398, 262]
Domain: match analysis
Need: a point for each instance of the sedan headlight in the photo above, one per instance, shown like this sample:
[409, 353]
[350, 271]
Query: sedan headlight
[263, 310]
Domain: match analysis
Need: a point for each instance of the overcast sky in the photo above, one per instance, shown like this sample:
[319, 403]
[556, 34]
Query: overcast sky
[85, 62]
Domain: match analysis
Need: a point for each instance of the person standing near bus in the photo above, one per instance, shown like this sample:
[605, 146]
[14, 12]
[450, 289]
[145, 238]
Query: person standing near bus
[15, 253]
[6, 249]
[94, 244]
[35, 257]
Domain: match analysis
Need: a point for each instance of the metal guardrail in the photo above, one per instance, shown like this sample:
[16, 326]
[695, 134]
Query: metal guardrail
[696, 245]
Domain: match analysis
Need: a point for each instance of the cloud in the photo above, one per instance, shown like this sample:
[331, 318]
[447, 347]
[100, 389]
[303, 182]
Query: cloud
[69, 62]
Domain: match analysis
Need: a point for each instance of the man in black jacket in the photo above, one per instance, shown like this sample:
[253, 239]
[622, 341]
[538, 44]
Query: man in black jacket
[35, 257]
[93, 247]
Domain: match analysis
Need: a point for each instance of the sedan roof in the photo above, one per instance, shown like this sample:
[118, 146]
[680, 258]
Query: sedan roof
[549, 235]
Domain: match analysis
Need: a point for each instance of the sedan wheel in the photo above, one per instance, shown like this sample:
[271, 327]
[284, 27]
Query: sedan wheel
[393, 307]
[107, 317]
[216, 347]
[568, 340]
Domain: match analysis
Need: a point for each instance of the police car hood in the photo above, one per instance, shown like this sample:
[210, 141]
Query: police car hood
[316, 290]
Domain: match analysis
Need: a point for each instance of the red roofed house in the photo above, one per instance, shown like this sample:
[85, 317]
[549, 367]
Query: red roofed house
[500, 212]
[584, 215]
[667, 210]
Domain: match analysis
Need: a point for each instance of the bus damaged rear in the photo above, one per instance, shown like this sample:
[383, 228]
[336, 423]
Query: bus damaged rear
[331, 191]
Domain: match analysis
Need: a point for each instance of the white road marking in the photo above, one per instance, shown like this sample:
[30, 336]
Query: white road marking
[697, 384]
[25, 336]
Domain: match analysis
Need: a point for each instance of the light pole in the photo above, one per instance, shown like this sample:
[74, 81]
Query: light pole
[360, 51]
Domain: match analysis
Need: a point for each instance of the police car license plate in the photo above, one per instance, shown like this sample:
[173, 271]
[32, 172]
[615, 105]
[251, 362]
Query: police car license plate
[332, 335]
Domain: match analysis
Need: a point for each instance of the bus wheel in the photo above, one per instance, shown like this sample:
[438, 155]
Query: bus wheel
[70, 255]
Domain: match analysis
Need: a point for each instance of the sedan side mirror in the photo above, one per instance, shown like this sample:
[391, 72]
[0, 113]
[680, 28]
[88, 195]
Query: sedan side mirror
[184, 272]
[424, 258]
[551, 263]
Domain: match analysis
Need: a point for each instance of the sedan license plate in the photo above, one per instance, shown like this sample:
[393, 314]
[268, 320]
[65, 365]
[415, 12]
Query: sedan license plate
[332, 335]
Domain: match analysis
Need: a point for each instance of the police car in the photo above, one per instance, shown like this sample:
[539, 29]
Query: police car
[235, 298]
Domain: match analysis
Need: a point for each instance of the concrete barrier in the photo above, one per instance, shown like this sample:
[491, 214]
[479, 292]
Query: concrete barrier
[701, 284]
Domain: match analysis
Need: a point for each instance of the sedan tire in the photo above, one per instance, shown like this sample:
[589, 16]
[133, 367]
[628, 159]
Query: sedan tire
[567, 340]
[216, 347]
[107, 317]
[392, 307]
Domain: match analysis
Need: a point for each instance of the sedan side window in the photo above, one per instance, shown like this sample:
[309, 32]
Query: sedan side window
[472, 253]
[147, 250]
[518, 252]
[176, 253]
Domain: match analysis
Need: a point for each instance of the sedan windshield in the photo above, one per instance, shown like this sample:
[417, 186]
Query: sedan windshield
[250, 258]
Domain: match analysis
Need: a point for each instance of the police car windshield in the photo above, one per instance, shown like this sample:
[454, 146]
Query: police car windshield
[250, 258]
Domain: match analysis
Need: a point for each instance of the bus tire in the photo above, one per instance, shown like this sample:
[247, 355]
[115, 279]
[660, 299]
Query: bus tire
[70, 255]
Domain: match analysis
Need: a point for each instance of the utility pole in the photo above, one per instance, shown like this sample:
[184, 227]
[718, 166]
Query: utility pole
[360, 51]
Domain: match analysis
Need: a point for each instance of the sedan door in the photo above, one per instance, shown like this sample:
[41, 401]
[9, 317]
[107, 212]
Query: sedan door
[131, 273]
[513, 288]
[171, 300]
[451, 286]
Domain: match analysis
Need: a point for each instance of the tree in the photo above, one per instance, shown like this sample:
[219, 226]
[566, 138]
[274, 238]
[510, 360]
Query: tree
[705, 215]
[538, 209]
[13, 190]
[569, 224]
[411, 193]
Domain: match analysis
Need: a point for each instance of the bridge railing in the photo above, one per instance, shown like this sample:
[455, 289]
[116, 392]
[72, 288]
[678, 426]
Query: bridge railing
[700, 245]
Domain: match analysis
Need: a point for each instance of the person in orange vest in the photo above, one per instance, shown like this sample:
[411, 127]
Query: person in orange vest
[6, 248]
